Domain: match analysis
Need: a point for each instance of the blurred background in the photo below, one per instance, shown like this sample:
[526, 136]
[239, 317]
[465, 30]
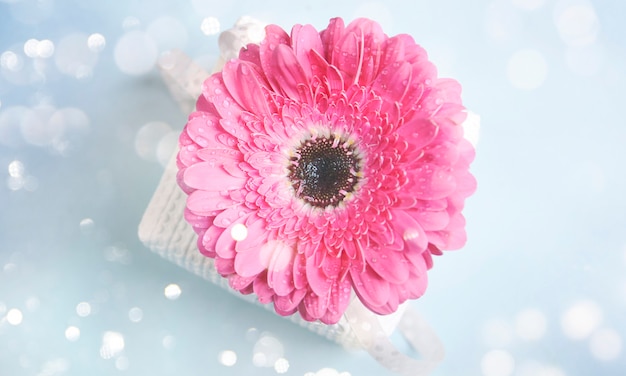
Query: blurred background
[86, 126]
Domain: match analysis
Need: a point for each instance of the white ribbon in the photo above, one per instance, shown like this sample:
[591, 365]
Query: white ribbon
[373, 337]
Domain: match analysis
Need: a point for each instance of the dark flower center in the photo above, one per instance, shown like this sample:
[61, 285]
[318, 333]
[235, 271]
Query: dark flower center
[324, 171]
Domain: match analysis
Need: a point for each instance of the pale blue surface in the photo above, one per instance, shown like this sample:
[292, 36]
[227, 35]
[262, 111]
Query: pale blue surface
[546, 227]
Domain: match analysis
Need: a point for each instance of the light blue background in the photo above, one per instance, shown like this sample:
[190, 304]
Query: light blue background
[546, 226]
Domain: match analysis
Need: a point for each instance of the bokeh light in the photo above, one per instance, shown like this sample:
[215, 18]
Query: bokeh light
[577, 22]
[227, 358]
[168, 32]
[34, 48]
[327, 371]
[72, 333]
[168, 342]
[281, 365]
[73, 56]
[267, 350]
[86, 225]
[606, 344]
[527, 69]
[96, 42]
[581, 319]
[497, 333]
[210, 26]
[531, 324]
[135, 314]
[239, 232]
[528, 4]
[14, 316]
[497, 363]
[172, 291]
[83, 309]
[135, 53]
[112, 344]
[585, 60]
[156, 141]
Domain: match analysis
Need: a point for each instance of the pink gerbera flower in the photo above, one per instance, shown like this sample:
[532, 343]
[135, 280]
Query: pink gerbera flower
[321, 163]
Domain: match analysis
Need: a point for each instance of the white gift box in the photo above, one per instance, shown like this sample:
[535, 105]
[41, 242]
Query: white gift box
[164, 230]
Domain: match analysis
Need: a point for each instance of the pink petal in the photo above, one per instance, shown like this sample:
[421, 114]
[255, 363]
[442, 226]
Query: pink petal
[448, 90]
[339, 299]
[331, 36]
[369, 38]
[225, 245]
[238, 282]
[224, 266]
[197, 221]
[442, 154]
[318, 281]
[253, 256]
[217, 93]
[203, 105]
[209, 239]
[305, 38]
[280, 268]
[268, 163]
[394, 49]
[262, 290]
[237, 127]
[392, 83]
[316, 305]
[410, 230]
[229, 216]
[203, 130]
[325, 73]
[299, 270]
[347, 56]
[187, 153]
[428, 259]
[304, 313]
[370, 287]
[246, 86]
[251, 54]
[208, 202]
[257, 235]
[206, 252]
[249, 264]
[274, 36]
[389, 265]
[332, 266]
[433, 182]
[431, 220]
[466, 182]
[467, 153]
[418, 132]
[392, 304]
[419, 281]
[287, 305]
[211, 177]
[289, 75]
[352, 247]
[454, 237]
[220, 156]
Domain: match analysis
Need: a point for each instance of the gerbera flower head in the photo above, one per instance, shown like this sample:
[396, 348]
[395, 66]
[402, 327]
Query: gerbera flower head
[322, 163]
